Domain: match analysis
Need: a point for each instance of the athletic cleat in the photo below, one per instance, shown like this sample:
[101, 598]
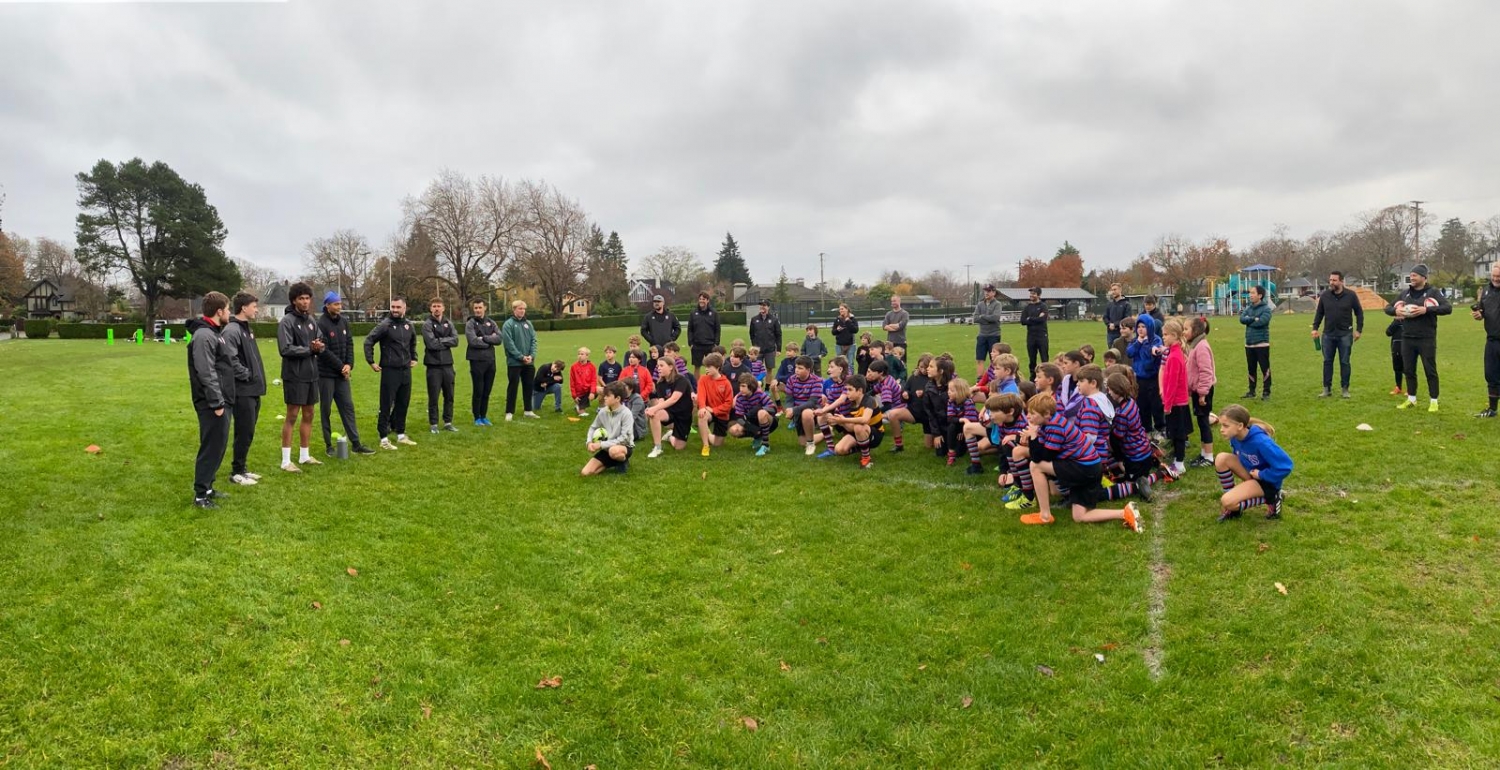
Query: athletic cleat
[952, 460]
[290, 467]
[508, 418]
[243, 480]
[621, 468]
[583, 413]
[1345, 394]
[655, 453]
[1201, 462]
[1486, 414]
[533, 415]
[1432, 408]
[1036, 518]
[204, 503]
[755, 444]
[1396, 391]
[1248, 394]
[1132, 518]
[1273, 509]
[866, 463]
[1174, 471]
[1107, 482]
[1143, 489]
[328, 451]
[449, 427]
[897, 449]
[310, 461]
[1009, 493]
[1227, 515]
[974, 470]
[385, 443]
[825, 454]
[362, 450]
[1407, 404]
[479, 422]
[1022, 503]
[706, 451]
[811, 450]
[214, 494]
[402, 439]
[251, 476]
[1326, 393]
[1265, 397]
[764, 450]
[433, 429]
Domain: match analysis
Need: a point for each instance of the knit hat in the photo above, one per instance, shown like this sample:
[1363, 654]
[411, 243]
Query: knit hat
[331, 297]
[1420, 270]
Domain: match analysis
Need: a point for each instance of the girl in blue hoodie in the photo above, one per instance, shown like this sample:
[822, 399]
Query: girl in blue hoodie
[1257, 463]
[1145, 353]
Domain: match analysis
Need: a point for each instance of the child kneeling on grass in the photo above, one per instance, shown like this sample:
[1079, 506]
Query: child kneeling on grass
[715, 401]
[1260, 465]
[887, 389]
[611, 437]
[863, 427]
[1063, 460]
[673, 409]
[753, 415]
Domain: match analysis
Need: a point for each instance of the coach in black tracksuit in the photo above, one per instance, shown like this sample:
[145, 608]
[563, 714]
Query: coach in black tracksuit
[398, 356]
[211, 381]
[1489, 312]
[1034, 318]
[703, 331]
[249, 380]
[1419, 306]
[439, 338]
[483, 335]
[335, 367]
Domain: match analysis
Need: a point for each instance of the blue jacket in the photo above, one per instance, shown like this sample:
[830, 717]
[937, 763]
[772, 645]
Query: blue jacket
[1259, 452]
[1142, 360]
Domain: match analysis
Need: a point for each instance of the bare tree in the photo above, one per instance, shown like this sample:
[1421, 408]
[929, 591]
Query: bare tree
[473, 226]
[256, 279]
[673, 264]
[554, 250]
[343, 260]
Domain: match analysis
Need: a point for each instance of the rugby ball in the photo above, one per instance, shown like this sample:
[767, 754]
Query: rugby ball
[599, 434]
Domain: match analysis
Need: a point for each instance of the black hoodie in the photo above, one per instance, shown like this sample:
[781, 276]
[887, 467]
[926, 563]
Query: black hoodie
[294, 337]
[439, 338]
[1421, 327]
[244, 354]
[210, 370]
[398, 343]
[340, 342]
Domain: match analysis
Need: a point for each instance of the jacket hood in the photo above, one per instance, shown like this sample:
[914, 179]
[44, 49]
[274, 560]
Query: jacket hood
[194, 324]
[1256, 433]
[1149, 322]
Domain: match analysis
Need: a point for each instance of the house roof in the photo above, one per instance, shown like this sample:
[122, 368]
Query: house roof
[1020, 293]
[63, 288]
[1297, 283]
[795, 292]
[277, 294]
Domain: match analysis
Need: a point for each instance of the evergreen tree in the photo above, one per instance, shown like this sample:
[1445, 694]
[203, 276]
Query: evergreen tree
[607, 277]
[783, 293]
[730, 266]
[1067, 250]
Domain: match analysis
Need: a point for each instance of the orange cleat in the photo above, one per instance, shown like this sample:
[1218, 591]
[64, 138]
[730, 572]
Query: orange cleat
[1037, 518]
[1397, 392]
[1132, 520]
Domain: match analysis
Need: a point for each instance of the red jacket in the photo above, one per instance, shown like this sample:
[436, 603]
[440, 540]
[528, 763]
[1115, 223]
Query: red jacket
[641, 373]
[716, 394]
[1174, 378]
[1200, 368]
[583, 378]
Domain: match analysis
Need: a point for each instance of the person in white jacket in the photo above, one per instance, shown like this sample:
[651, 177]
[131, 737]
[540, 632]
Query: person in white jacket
[611, 437]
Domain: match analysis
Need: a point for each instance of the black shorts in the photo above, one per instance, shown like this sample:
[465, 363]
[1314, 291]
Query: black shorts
[609, 462]
[682, 424]
[1139, 469]
[699, 351]
[1268, 490]
[797, 417]
[748, 428]
[299, 393]
[718, 427]
[1081, 481]
[876, 434]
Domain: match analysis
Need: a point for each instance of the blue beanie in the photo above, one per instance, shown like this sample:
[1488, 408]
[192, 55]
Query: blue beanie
[331, 297]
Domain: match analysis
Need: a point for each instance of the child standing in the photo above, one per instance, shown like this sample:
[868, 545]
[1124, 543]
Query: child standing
[1394, 332]
[609, 368]
[753, 415]
[862, 353]
[715, 400]
[549, 379]
[813, 348]
[1145, 357]
[1260, 465]
[1063, 460]
[583, 381]
[1201, 381]
[614, 420]
[1173, 381]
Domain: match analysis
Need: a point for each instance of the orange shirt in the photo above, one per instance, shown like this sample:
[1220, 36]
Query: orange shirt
[716, 393]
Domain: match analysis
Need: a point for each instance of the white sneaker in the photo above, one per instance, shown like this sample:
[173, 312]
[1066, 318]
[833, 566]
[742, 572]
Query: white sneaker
[402, 439]
[243, 479]
[290, 467]
[251, 476]
[811, 450]
[385, 443]
[532, 415]
[309, 460]
[583, 414]
[1178, 469]
[655, 453]
[509, 417]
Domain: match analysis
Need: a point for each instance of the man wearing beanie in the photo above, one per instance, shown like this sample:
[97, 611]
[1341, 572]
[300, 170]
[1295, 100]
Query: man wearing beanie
[1418, 307]
[334, 369]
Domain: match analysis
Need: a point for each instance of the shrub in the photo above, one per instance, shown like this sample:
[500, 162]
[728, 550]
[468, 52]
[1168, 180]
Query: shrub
[38, 328]
[75, 331]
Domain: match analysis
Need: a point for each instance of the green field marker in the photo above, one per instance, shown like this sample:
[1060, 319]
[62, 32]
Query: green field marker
[169, 336]
[140, 336]
[110, 335]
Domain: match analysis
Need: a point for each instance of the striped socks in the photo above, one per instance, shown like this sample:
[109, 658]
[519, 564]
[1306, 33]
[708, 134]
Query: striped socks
[1226, 480]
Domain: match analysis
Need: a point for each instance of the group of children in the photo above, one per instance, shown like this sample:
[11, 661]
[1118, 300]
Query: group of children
[1079, 430]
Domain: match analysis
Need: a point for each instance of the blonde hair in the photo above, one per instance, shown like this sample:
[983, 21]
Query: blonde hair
[1240, 415]
[585, 351]
[754, 351]
[1174, 328]
[959, 390]
[517, 303]
[1008, 361]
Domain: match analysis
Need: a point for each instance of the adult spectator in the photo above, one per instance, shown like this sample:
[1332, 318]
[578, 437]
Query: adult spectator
[1257, 320]
[249, 383]
[303, 353]
[335, 368]
[520, 359]
[703, 331]
[1418, 307]
[844, 328]
[1115, 313]
[439, 338]
[1034, 318]
[398, 356]
[483, 335]
[659, 326]
[1343, 321]
[987, 317]
[895, 323]
[211, 382]
[765, 333]
[1487, 309]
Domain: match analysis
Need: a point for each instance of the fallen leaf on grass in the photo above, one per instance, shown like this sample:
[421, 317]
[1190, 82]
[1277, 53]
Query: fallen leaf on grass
[785, 667]
[590, 767]
[778, 552]
[1044, 670]
[751, 724]
[966, 566]
[317, 605]
[823, 640]
[1263, 547]
[575, 419]
[966, 702]
[1342, 493]
[352, 572]
[922, 667]
[1476, 538]
[705, 476]
[1460, 436]
[541, 760]
[93, 449]
[1281, 588]
[1110, 646]
[426, 711]
[343, 642]
[546, 683]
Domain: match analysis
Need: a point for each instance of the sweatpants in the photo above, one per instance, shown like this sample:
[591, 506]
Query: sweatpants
[335, 390]
[439, 380]
[482, 377]
[1036, 350]
[518, 379]
[246, 414]
[213, 437]
[1426, 349]
[1258, 358]
[395, 397]
[1148, 398]
[1492, 368]
[1397, 367]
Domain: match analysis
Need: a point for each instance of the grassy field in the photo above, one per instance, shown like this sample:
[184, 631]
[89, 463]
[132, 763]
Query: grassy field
[401, 609]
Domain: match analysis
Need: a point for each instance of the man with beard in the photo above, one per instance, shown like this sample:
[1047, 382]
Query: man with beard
[1115, 313]
[398, 356]
[249, 383]
[703, 331]
[1419, 306]
[335, 367]
[300, 342]
[211, 381]
[439, 338]
[1345, 323]
[765, 333]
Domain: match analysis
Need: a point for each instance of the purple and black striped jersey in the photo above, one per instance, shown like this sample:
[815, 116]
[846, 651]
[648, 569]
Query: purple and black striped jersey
[744, 405]
[1128, 431]
[682, 366]
[1063, 437]
[964, 411]
[1093, 421]
[831, 393]
[889, 392]
[758, 368]
[808, 392]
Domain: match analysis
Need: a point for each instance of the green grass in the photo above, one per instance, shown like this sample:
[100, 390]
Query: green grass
[139, 632]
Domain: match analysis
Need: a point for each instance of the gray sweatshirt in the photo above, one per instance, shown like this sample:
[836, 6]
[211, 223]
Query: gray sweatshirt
[987, 316]
[618, 425]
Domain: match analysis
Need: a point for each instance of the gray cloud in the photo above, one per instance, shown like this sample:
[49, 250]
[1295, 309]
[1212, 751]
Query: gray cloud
[886, 134]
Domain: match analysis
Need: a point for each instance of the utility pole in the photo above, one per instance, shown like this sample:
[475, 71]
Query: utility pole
[822, 285]
[1416, 247]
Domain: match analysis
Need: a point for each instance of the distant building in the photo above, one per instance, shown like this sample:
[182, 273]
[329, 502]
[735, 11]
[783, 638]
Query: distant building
[574, 306]
[1484, 261]
[53, 299]
[1067, 304]
[273, 305]
[643, 289]
[1298, 287]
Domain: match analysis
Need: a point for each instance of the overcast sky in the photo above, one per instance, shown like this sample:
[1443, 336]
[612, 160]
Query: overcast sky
[888, 134]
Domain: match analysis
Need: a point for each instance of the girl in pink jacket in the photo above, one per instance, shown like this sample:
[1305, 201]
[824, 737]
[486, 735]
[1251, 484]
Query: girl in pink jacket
[1174, 392]
[1201, 381]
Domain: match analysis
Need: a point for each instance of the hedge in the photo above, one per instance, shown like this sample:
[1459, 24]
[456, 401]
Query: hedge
[96, 331]
[38, 328]
[726, 318]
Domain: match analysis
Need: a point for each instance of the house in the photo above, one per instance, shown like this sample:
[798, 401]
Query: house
[574, 306]
[273, 305]
[53, 299]
[1483, 262]
[643, 289]
[1298, 287]
[802, 305]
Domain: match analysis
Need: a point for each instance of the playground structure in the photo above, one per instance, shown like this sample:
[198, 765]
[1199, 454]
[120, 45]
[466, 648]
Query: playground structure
[1232, 294]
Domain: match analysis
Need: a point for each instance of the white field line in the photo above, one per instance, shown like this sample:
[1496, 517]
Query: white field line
[1156, 593]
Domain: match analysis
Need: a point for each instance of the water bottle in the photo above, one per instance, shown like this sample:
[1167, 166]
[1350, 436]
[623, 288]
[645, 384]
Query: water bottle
[341, 448]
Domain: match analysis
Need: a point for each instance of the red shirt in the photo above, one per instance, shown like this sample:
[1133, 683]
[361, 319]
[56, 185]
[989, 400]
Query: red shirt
[716, 393]
[1174, 378]
[582, 379]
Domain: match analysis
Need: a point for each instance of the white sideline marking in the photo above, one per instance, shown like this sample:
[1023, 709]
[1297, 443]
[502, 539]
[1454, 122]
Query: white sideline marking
[1156, 593]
